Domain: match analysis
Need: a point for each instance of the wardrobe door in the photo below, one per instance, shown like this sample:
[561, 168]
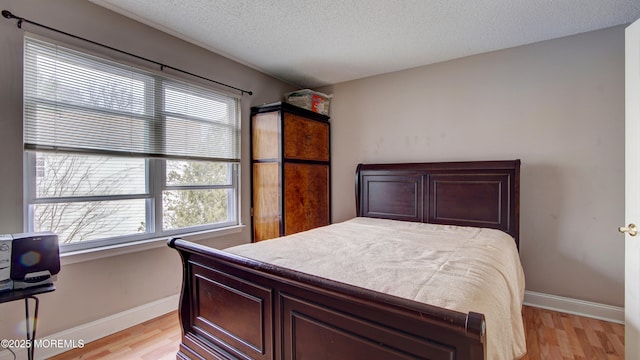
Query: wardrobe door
[306, 196]
[305, 139]
[266, 201]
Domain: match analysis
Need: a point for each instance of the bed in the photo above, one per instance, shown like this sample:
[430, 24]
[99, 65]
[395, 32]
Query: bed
[234, 305]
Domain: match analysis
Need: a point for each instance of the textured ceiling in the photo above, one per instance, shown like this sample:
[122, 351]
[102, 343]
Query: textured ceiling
[311, 43]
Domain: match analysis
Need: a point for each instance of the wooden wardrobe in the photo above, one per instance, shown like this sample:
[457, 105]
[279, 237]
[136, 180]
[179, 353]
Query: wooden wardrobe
[290, 163]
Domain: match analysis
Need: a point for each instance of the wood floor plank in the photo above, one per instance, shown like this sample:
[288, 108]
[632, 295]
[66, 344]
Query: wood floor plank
[550, 335]
[582, 338]
[618, 343]
[572, 337]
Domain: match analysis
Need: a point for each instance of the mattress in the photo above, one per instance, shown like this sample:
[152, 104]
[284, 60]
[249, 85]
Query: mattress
[458, 268]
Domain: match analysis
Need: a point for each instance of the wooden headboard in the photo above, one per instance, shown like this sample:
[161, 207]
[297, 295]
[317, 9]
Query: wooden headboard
[475, 193]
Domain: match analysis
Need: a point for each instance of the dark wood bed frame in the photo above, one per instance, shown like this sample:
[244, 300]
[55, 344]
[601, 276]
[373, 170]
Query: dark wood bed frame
[232, 307]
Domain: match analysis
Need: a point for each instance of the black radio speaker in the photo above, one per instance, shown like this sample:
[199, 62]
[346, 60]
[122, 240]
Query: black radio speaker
[35, 259]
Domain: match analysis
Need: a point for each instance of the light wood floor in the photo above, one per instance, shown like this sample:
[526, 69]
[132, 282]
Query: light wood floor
[156, 339]
[550, 335]
[554, 335]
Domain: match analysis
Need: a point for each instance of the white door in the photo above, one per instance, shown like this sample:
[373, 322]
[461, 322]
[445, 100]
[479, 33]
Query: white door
[632, 192]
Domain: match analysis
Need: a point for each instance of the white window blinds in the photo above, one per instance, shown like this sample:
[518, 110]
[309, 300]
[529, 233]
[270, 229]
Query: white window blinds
[80, 103]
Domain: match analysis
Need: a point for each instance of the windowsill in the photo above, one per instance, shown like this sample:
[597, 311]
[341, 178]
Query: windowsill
[132, 247]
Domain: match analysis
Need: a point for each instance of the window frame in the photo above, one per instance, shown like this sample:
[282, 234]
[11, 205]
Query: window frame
[155, 175]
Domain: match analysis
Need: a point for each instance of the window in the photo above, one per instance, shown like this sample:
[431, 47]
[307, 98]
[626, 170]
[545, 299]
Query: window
[115, 154]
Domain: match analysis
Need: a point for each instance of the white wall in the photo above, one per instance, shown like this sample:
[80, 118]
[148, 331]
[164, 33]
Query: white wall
[92, 290]
[556, 105]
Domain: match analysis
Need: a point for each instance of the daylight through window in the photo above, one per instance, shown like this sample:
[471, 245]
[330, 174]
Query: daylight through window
[115, 154]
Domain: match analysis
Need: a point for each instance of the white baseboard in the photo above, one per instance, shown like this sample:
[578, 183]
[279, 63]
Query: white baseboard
[573, 306]
[97, 329]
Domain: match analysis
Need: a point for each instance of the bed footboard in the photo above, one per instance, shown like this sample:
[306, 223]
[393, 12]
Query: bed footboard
[236, 308]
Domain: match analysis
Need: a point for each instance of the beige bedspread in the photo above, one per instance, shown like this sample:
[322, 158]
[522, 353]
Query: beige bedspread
[459, 268]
